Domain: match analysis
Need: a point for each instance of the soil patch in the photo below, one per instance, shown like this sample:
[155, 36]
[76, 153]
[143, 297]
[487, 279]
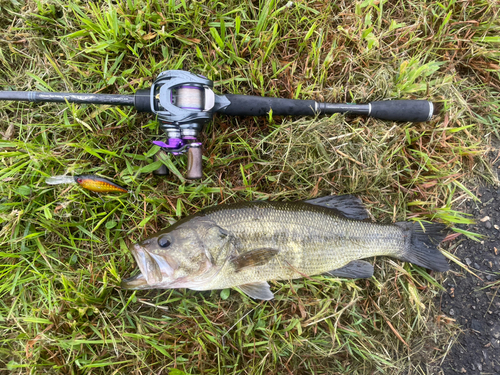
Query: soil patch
[474, 301]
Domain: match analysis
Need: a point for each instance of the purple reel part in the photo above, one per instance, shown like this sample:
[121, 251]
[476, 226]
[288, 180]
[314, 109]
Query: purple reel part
[178, 146]
[174, 145]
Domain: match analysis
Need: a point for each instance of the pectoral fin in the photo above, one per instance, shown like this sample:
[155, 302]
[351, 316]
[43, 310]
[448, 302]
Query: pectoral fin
[253, 258]
[357, 269]
[257, 290]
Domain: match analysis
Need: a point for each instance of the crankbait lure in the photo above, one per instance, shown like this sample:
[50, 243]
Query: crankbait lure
[89, 182]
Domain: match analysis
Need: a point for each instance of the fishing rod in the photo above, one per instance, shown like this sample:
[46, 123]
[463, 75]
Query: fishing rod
[183, 102]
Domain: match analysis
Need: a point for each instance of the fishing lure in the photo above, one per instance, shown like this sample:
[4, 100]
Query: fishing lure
[89, 182]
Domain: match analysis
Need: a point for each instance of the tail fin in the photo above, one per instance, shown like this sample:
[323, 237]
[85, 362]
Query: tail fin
[422, 242]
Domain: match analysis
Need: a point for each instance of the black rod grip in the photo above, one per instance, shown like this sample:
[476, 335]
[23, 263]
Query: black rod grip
[142, 100]
[402, 110]
[247, 105]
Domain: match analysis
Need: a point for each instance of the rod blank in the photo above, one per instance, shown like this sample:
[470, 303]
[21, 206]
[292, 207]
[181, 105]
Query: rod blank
[37, 97]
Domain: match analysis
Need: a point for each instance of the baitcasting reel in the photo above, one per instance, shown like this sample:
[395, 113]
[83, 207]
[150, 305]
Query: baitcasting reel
[183, 102]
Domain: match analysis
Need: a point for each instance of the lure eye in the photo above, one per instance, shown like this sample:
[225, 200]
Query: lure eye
[79, 180]
[163, 242]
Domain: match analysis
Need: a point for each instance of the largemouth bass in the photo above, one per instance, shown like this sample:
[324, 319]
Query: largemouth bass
[245, 245]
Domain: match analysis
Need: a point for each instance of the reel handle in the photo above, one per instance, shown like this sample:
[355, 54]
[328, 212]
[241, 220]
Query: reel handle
[195, 163]
[161, 171]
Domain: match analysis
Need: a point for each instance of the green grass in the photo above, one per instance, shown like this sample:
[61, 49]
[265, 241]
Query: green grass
[63, 250]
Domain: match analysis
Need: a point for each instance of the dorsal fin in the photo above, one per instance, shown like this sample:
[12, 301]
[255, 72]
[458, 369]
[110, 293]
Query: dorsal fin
[349, 206]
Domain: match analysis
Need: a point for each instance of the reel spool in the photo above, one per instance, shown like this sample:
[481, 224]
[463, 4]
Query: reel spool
[188, 97]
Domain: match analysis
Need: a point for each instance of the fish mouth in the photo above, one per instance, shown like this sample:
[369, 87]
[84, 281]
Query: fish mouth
[134, 282]
[152, 266]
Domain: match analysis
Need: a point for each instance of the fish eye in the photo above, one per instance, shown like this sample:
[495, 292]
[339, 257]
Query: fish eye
[163, 242]
[79, 180]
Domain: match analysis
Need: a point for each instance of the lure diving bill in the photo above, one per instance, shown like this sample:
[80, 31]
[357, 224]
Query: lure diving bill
[90, 182]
